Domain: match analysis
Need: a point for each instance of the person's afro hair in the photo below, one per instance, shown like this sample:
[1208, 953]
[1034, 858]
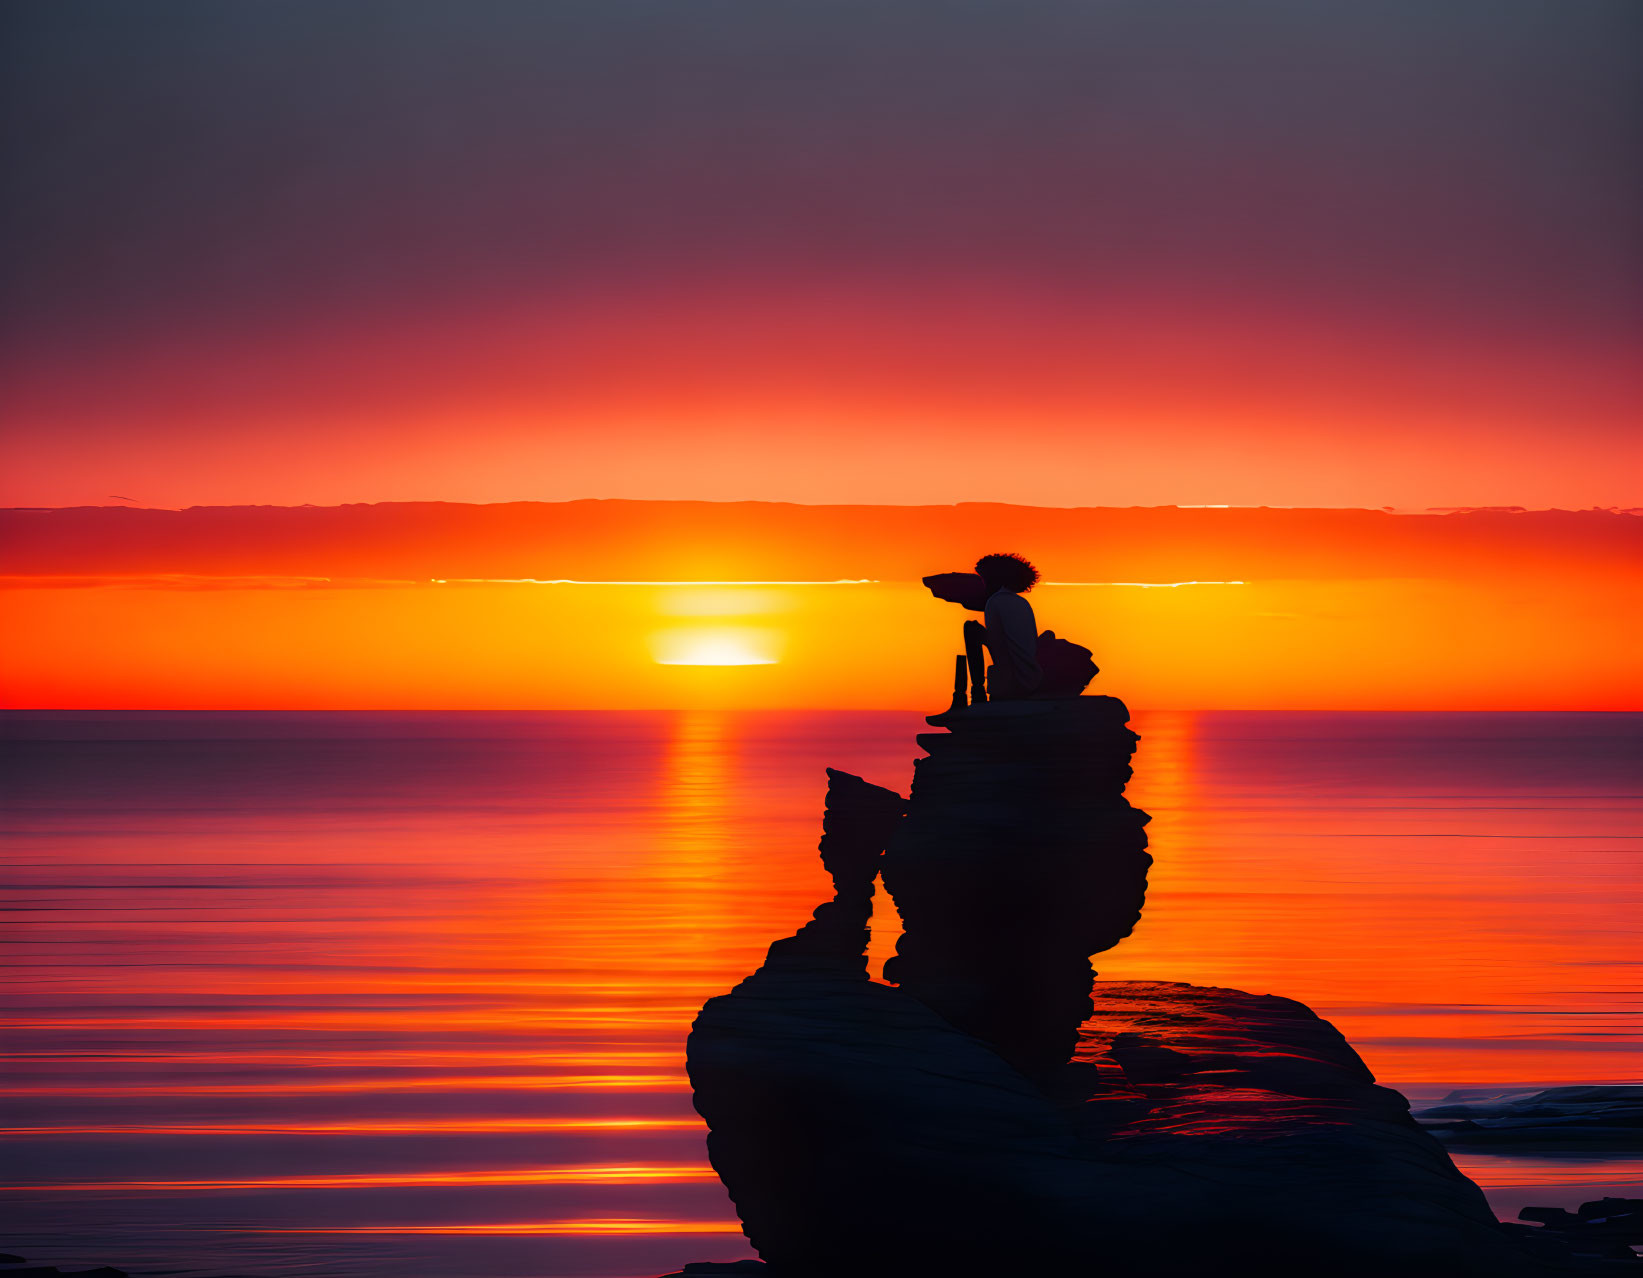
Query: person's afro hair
[1007, 572]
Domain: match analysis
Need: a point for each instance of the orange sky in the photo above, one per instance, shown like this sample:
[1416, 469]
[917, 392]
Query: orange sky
[1272, 645]
[424, 606]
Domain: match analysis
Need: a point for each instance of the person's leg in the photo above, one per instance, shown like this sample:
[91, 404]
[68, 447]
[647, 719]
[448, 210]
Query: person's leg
[960, 699]
[975, 643]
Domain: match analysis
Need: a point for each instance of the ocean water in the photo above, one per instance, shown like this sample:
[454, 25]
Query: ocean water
[374, 994]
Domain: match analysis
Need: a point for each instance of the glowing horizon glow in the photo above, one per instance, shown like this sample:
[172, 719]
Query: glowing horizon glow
[289, 609]
[706, 606]
[1281, 643]
[343, 1086]
[723, 601]
[572, 581]
[1146, 585]
[576, 1174]
[621, 1225]
[403, 1127]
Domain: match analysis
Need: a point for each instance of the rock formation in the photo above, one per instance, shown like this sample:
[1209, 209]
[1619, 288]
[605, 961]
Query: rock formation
[1560, 1117]
[985, 1115]
[1019, 859]
[1604, 1230]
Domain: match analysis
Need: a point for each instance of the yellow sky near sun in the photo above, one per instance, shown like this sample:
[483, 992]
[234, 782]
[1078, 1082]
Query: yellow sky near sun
[1365, 644]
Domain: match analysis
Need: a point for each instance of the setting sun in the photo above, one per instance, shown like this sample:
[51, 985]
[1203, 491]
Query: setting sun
[715, 646]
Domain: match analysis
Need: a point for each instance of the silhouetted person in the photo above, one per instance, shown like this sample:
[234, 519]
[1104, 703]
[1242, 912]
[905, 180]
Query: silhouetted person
[1010, 632]
[1025, 664]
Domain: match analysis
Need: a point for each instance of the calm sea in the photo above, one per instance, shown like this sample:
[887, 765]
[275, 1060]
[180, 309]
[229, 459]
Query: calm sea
[373, 994]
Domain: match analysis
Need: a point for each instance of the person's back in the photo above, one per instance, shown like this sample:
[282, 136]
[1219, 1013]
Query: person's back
[1010, 633]
[1013, 631]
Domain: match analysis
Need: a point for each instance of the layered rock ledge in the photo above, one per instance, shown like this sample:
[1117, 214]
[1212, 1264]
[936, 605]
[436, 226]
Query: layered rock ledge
[992, 1112]
[1196, 1131]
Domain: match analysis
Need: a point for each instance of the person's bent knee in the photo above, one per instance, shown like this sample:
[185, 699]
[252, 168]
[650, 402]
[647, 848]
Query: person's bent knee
[974, 628]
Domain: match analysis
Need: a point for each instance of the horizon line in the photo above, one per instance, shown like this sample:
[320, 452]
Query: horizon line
[823, 505]
[829, 709]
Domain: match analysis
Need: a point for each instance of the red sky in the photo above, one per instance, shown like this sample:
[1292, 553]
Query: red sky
[1062, 255]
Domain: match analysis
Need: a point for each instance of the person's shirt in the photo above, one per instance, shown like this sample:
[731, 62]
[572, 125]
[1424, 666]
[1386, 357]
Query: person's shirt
[1011, 622]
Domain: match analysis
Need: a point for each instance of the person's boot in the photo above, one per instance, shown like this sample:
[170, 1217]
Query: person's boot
[960, 701]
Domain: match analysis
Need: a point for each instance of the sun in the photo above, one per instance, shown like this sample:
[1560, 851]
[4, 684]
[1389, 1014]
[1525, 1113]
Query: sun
[715, 646]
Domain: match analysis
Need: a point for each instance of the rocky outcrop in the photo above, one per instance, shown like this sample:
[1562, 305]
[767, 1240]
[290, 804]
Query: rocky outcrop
[1604, 1230]
[1019, 859]
[1272, 1131]
[990, 1113]
[1563, 1117]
